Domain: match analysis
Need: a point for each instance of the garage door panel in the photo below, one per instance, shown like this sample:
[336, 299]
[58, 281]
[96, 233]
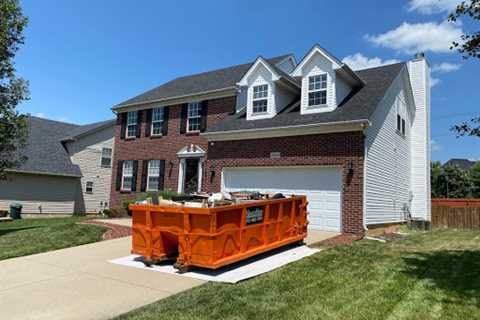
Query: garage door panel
[321, 185]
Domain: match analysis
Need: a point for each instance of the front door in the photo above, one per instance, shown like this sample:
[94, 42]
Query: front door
[190, 182]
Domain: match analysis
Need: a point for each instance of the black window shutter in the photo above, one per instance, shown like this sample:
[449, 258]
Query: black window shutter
[165, 121]
[148, 126]
[204, 112]
[161, 175]
[139, 123]
[143, 187]
[122, 121]
[183, 120]
[118, 183]
[134, 175]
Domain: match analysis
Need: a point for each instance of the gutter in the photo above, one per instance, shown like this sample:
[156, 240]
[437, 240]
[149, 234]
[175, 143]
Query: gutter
[312, 125]
[122, 106]
[44, 173]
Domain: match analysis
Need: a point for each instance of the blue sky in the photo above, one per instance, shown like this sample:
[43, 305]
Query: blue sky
[83, 57]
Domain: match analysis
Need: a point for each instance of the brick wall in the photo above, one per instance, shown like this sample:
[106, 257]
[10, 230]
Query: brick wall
[163, 148]
[326, 149]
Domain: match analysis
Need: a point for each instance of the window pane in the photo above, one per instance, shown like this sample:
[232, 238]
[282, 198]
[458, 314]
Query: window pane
[106, 157]
[128, 168]
[194, 124]
[132, 117]
[403, 126]
[260, 106]
[317, 82]
[317, 98]
[157, 114]
[193, 109]
[127, 183]
[152, 184]
[89, 187]
[157, 128]
[399, 120]
[260, 91]
[131, 130]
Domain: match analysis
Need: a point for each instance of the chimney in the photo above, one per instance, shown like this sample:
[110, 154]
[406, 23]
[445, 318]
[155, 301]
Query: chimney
[419, 72]
[419, 56]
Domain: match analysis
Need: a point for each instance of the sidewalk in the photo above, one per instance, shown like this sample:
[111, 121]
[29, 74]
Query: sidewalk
[79, 283]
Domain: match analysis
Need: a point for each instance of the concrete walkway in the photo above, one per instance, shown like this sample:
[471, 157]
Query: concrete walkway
[79, 283]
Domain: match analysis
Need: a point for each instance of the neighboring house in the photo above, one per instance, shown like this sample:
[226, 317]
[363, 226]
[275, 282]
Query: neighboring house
[355, 142]
[68, 169]
[463, 164]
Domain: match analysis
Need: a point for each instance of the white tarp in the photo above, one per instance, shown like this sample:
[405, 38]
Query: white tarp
[230, 274]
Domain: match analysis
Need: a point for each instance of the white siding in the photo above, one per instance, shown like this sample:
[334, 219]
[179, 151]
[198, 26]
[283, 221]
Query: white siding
[39, 193]
[86, 152]
[316, 66]
[420, 79]
[387, 171]
[342, 90]
[283, 97]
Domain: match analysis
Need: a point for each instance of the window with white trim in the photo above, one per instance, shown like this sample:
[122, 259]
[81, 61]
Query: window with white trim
[106, 157]
[89, 187]
[127, 175]
[132, 123]
[317, 90]
[194, 117]
[157, 121]
[153, 175]
[260, 99]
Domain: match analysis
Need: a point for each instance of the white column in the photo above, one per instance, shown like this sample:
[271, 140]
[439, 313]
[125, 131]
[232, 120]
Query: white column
[200, 175]
[181, 175]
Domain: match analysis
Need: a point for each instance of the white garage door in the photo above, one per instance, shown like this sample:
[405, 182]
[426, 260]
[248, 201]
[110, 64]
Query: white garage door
[321, 185]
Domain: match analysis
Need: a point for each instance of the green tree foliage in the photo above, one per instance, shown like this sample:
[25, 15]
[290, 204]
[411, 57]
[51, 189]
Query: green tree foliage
[13, 90]
[475, 176]
[469, 47]
[453, 182]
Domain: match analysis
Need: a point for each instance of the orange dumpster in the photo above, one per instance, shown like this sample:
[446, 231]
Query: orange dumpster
[215, 237]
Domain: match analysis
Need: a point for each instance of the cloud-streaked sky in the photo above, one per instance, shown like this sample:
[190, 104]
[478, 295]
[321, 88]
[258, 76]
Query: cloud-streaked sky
[83, 57]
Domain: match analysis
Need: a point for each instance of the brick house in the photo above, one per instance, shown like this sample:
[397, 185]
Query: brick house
[355, 142]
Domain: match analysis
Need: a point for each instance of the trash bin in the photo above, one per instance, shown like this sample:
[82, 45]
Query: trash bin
[16, 210]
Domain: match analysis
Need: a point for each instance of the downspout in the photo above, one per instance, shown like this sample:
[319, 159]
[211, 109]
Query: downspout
[365, 157]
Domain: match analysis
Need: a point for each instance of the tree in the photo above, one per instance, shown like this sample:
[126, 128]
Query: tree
[13, 90]
[470, 47]
[437, 172]
[475, 177]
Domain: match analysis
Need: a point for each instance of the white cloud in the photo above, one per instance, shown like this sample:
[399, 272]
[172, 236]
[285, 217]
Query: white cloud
[62, 119]
[435, 146]
[445, 67]
[358, 61]
[40, 114]
[434, 81]
[411, 38]
[432, 6]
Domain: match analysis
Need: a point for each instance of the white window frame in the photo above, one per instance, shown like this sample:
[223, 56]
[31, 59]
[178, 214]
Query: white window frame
[197, 116]
[322, 87]
[125, 175]
[87, 184]
[132, 122]
[106, 157]
[155, 121]
[150, 170]
[258, 96]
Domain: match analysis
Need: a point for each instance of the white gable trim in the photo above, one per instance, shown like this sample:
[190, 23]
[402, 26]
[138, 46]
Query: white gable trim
[297, 72]
[244, 81]
[191, 151]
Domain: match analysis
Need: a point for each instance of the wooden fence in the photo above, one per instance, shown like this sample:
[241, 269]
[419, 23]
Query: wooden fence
[456, 213]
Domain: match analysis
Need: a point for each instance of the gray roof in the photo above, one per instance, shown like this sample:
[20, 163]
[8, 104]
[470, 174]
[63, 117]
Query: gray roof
[197, 83]
[359, 105]
[463, 164]
[44, 150]
[86, 129]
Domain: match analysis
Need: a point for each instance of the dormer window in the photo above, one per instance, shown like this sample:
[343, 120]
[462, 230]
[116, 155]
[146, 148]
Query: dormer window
[260, 100]
[317, 90]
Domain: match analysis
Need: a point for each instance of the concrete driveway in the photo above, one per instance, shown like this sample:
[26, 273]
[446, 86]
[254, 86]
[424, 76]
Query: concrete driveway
[79, 283]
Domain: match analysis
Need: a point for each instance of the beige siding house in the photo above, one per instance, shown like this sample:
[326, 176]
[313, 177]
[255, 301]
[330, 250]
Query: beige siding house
[67, 171]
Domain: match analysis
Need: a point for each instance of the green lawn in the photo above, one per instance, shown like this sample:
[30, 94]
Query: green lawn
[433, 275]
[29, 236]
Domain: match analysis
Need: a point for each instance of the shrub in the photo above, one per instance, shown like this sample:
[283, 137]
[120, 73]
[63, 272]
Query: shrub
[117, 212]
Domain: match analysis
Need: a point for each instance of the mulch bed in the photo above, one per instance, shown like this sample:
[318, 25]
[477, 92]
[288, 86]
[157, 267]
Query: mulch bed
[341, 239]
[114, 230]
